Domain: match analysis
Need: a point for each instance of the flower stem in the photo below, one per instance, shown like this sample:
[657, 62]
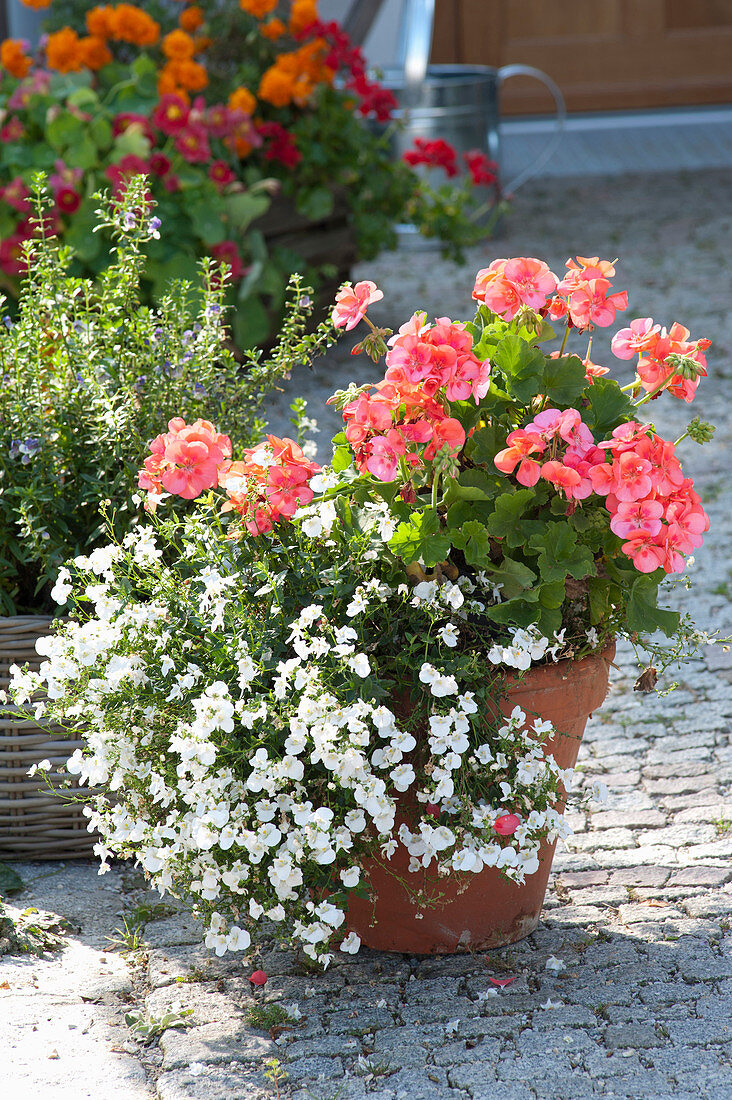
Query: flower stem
[564, 341]
[655, 390]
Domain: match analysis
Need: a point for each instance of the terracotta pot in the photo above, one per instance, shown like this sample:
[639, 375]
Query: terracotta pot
[484, 910]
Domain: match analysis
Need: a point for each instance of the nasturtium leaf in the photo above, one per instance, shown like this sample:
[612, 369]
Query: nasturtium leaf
[564, 380]
[608, 406]
[644, 615]
[508, 510]
[64, 130]
[243, 207]
[82, 154]
[521, 365]
[419, 540]
[559, 554]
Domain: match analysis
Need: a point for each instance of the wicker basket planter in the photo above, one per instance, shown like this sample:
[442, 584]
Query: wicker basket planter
[34, 822]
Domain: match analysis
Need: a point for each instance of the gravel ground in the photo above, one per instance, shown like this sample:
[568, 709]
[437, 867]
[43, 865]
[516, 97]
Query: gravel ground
[640, 907]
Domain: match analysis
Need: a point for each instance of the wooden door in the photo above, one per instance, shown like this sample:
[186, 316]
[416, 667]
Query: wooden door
[604, 54]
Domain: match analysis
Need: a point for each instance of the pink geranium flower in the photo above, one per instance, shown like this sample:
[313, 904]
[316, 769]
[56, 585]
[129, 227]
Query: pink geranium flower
[641, 336]
[352, 303]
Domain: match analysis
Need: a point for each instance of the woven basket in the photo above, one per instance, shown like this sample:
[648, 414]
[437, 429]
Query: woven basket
[34, 822]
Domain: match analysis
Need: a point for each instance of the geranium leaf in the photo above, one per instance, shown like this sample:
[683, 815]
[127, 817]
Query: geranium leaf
[564, 380]
[608, 406]
[419, 540]
[643, 612]
[521, 365]
[559, 554]
[509, 507]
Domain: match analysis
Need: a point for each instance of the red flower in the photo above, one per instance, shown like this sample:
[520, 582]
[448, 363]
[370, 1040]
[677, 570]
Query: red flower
[171, 114]
[258, 978]
[433, 154]
[192, 144]
[282, 145]
[221, 173]
[228, 252]
[159, 164]
[483, 171]
[67, 199]
[123, 121]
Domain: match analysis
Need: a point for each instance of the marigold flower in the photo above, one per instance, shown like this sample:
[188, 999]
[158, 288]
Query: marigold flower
[63, 52]
[14, 59]
[37, 5]
[241, 99]
[100, 21]
[190, 19]
[178, 46]
[187, 74]
[277, 86]
[258, 8]
[95, 53]
[273, 30]
[132, 24]
[304, 13]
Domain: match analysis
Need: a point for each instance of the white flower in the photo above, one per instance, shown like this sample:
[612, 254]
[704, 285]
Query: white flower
[403, 776]
[359, 663]
[238, 939]
[41, 766]
[63, 588]
[549, 1003]
[350, 876]
[555, 964]
[351, 943]
[448, 635]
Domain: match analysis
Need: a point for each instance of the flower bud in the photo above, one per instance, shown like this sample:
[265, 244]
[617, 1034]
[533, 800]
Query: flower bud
[700, 430]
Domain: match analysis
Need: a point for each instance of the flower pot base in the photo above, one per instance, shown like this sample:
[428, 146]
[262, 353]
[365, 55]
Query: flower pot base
[425, 914]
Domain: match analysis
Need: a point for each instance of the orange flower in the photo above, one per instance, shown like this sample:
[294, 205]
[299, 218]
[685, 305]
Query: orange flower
[184, 74]
[94, 52]
[191, 19]
[277, 86]
[37, 4]
[303, 14]
[258, 8]
[100, 22]
[178, 46]
[202, 42]
[242, 100]
[63, 52]
[168, 85]
[274, 29]
[131, 24]
[13, 59]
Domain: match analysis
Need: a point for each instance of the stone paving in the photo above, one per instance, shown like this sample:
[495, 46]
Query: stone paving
[625, 990]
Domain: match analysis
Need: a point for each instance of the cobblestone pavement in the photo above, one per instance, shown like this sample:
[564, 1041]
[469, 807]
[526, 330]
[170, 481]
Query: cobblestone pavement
[639, 913]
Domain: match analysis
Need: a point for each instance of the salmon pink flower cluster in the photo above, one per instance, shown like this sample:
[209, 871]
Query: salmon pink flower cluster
[406, 420]
[508, 286]
[185, 460]
[571, 448]
[582, 295]
[666, 360]
[270, 484]
[654, 507]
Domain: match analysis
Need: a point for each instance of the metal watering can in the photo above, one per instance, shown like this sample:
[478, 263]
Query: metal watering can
[459, 103]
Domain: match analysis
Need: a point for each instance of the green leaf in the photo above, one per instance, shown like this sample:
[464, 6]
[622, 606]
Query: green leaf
[513, 576]
[419, 540]
[82, 154]
[101, 133]
[207, 222]
[471, 485]
[609, 406]
[252, 323]
[508, 510]
[130, 141]
[315, 203]
[564, 380]
[242, 208]
[644, 615]
[521, 365]
[342, 458]
[559, 554]
[475, 543]
[10, 881]
[64, 130]
[484, 445]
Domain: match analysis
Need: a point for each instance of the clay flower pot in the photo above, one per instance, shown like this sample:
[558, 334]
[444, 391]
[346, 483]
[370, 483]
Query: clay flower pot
[475, 912]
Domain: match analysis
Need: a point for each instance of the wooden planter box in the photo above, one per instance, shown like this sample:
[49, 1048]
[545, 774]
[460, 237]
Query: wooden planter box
[35, 823]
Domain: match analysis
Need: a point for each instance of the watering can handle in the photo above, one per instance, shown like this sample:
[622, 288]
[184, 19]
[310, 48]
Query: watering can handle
[551, 146]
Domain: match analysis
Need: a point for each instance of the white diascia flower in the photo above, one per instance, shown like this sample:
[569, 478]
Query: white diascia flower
[63, 587]
[359, 663]
[439, 685]
[351, 943]
[449, 635]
